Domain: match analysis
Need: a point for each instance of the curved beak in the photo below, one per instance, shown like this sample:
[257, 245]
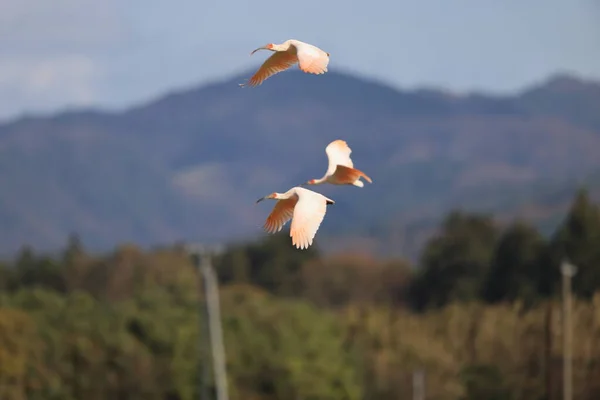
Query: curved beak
[261, 199]
[260, 48]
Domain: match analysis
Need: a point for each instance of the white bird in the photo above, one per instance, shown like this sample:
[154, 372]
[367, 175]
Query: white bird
[304, 207]
[341, 170]
[310, 59]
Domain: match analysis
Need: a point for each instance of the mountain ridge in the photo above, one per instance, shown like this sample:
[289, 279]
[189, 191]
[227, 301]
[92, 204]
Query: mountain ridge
[195, 160]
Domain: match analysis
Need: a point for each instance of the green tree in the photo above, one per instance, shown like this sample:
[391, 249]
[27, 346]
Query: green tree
[25, 258]
[42, 271]
[285, 349]
[21, 369]
[339, 280]
[7, 279]
[271, 263]
[77, 263]
[88, 352]
[577, 239]
[73, 248]
[455, 262]
[484, 382]
[169, 331]
[515, 266]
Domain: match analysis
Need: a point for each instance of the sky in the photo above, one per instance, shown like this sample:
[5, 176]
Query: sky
[113, 54]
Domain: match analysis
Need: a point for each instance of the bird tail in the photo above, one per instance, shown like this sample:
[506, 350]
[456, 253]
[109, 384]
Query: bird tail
[350, 175]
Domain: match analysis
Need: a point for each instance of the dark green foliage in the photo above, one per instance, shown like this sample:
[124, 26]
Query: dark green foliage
[484, 382]
[39, 271]
[455, 262]
[271, 264]
[516, 266]
[301, 325]
[578, 240]
[288, 349]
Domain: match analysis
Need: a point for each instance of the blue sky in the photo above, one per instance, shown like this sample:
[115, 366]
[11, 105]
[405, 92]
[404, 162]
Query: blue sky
[113, 53]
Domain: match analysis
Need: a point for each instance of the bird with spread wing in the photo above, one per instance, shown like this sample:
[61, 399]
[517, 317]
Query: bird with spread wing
[310, 59]
[340, 170]
[304, 207]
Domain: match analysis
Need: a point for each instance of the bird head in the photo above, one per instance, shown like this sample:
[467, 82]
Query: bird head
[269, 46]
[270, 196]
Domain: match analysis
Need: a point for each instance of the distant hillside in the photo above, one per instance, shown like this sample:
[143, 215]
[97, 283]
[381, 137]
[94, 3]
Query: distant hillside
[565, 97]
[191, 164]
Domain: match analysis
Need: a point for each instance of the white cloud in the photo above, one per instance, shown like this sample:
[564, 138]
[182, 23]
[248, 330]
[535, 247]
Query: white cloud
[54, 53]
[49, 82]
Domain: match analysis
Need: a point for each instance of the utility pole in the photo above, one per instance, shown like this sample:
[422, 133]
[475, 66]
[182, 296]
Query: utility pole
[203, 333]
[548, 350]
[567, 270]
[419, 384]
[211, 317]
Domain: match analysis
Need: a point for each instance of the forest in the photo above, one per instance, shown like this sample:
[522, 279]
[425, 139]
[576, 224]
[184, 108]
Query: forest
[480, 315]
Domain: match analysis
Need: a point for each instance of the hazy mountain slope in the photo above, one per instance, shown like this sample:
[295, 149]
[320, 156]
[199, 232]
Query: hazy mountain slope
[563, 96]
[191, 164]
[85, 179]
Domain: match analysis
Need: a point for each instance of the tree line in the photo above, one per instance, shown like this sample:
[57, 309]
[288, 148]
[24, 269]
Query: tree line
[479, 314]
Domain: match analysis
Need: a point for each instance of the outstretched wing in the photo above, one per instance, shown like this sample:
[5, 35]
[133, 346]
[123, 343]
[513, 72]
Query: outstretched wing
[308, 215]
[345, 175]
[338, 153]
[279, 61]
[281, 214]
[311, 59]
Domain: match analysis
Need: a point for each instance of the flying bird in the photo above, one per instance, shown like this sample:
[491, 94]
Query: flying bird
[310, 59]
[341, 170]
[304, 207]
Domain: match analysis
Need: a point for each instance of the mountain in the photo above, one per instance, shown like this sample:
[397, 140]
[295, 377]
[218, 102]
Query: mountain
[190, 165]
[566, 97]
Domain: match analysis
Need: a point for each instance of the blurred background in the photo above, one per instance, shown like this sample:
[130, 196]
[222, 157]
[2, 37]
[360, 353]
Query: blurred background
[124, 138]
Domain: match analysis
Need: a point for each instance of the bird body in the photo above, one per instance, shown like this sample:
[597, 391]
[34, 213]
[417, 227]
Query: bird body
[340, 170]
[310, 59]
[304, 207]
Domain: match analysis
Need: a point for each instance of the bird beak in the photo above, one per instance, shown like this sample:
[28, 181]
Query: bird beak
[261, 199]
[260, 48]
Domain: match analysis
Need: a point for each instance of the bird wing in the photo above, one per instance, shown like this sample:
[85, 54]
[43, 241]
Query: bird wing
[311, 59]
[308, 215]
[338, 153]
[344, 174]
[281, 214]
[279, 61]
